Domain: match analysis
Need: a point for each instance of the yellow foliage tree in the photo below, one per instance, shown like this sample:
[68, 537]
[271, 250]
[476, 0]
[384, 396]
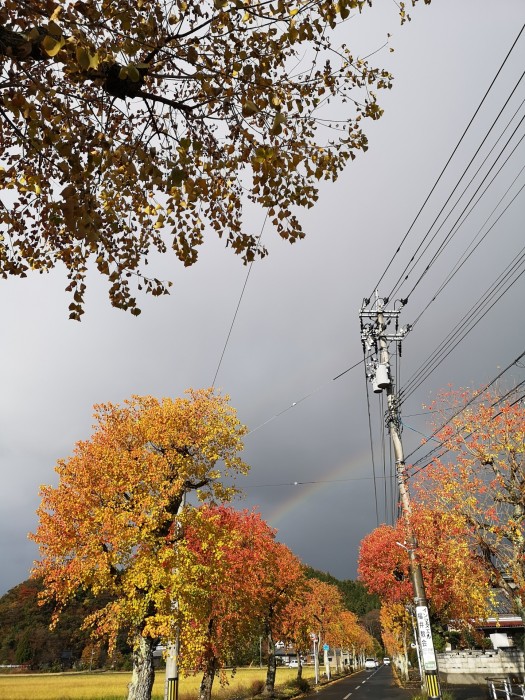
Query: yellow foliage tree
[133, 125]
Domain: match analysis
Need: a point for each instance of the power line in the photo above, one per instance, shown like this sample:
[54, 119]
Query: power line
[464, 257]
[371, 444]
[304, 398]
[463, 408]
[464, 327]
[448, 161]
[458, 223]
[308, 483]
[402, 278]
[238, 305]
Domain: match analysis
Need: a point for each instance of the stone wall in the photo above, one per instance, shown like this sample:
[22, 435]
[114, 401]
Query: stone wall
[464, 667]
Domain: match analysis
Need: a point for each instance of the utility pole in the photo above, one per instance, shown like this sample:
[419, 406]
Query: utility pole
[374, 325]
[171, 685]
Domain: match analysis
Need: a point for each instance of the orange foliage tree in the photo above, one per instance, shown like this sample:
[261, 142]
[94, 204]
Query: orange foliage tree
[346, 632]
[447, 561]
[320, 610]
[396, 632]
[111, 523]
[231, 560]
[313, 612]
[483, 480]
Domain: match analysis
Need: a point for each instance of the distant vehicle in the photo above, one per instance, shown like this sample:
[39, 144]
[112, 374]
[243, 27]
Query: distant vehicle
[386, 661]
[370, 663]
[293, 663]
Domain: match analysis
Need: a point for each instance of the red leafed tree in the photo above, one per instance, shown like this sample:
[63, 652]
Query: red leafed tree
[447, 560]
[231, 557]
[481, 477]
[284, 581]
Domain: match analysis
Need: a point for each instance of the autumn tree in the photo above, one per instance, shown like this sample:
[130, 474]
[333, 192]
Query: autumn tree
[283, 582]
[480, 477]
[230, 556]
[348, 633]
[320, 610]
[447, 560]
[130, 127]
[110, 525]
[319, 605]
[396, 626]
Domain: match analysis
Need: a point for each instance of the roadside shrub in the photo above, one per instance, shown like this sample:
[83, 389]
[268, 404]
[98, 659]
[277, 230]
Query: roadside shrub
[300, 684]
[256, 687]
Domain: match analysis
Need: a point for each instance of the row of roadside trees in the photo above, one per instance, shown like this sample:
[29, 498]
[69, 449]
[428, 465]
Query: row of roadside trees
[468, 518]
[116, 525]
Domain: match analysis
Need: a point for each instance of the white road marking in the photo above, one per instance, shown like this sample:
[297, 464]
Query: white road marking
[347, 696]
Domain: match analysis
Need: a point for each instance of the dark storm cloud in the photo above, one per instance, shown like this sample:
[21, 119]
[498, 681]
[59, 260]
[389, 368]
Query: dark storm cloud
[297, 326]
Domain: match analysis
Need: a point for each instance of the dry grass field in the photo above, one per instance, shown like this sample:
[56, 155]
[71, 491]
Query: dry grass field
[113, 686]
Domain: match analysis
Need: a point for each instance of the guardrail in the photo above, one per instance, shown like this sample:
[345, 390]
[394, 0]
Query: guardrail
[504, 688]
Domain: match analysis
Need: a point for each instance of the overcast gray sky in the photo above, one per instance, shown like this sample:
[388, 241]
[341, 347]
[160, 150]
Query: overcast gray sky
[297, 326]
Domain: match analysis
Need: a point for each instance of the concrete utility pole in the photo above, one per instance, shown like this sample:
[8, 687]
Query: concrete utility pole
[374, 323]
[171, 684]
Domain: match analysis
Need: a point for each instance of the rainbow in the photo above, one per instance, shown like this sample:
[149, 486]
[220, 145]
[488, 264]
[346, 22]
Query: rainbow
[306, 492]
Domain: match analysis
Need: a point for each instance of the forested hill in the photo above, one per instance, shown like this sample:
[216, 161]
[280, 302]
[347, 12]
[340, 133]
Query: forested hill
[355, 595]
[25, 637]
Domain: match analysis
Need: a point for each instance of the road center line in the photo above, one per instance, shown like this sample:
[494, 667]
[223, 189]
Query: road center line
[347, 696]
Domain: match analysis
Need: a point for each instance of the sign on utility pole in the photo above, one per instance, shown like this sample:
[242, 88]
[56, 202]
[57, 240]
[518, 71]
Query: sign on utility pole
[375, 320]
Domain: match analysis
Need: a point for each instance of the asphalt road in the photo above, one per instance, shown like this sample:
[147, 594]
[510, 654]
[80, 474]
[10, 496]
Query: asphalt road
[379, 684]
[366, 685]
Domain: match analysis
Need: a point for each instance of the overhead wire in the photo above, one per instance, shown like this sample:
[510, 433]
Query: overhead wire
[473, 398]
[448, 161]
[403, 277]
[305, 397]
[306, 483]
[469, 321]
[383, 453]
[458, 223]
[464, 257]
[371, 447]
[238, 305]
[426, 364]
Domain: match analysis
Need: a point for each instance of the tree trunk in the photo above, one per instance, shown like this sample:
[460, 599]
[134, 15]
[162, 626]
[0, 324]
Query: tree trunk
[299, 666]
[207, 679]
[269, 686]
[143, 672]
